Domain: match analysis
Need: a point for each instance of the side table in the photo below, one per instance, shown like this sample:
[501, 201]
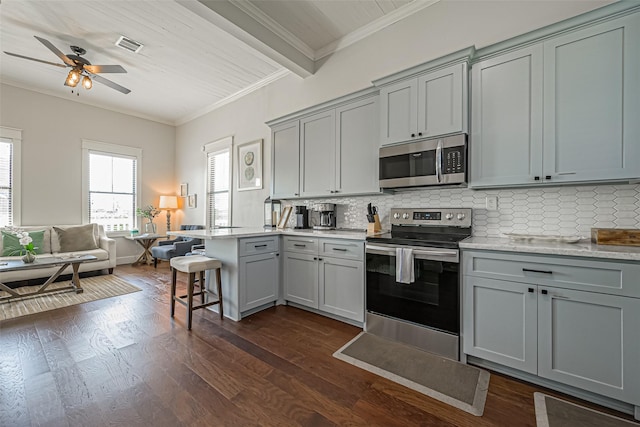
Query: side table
[146, 241]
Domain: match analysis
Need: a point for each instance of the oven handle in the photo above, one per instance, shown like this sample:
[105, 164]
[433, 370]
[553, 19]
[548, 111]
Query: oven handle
[417, 254]
[439, 161]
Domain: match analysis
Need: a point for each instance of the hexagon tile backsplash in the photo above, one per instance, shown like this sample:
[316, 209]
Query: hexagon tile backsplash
[550, 210]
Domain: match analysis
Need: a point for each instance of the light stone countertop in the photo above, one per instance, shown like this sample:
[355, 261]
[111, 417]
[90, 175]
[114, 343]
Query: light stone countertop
[242, 232]
[583, 248]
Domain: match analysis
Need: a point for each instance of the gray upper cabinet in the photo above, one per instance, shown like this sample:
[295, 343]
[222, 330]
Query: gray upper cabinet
[425, 101]
[317, 148]
[285, 140]
[591, 103]
[331, 149]
[506, 123]
[356, 153]
[563, 110]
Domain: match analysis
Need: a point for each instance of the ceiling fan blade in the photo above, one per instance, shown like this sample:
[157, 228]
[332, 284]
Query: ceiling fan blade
[55, 50]
[34, 59]
[111, 84]
[104, 69]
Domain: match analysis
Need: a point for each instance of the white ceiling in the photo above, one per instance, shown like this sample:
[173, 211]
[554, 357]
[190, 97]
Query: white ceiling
[197, 55]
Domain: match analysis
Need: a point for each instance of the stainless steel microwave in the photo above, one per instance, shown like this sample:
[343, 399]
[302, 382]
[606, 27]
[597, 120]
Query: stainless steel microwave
[438, 161]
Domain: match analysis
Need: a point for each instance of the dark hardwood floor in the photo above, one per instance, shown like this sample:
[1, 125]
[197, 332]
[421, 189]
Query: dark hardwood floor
[124, 361]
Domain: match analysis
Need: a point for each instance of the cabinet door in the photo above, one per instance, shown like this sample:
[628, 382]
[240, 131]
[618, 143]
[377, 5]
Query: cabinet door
[440, 101]
[506, 123]
[259, 276]
[317, 148]
[301, 279]
[499, 322]
[592, 103]
[285, 161]
[590, 341]
[357, 147]
[341, 288]
[398, 108]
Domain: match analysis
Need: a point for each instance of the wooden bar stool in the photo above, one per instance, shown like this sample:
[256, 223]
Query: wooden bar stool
[192, 265]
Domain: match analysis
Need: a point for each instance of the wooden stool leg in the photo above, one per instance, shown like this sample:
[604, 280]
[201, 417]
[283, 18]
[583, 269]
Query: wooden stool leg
[202, 287]
[219, 285]
[174, 272]
[192, 278]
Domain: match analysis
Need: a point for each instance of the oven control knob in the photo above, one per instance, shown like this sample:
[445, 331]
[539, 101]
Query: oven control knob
[449, 216]
[460, 216]
[405, 216]
[396, 215]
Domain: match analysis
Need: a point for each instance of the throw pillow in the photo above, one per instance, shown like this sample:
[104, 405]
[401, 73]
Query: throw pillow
[74, 239]
[11, 244]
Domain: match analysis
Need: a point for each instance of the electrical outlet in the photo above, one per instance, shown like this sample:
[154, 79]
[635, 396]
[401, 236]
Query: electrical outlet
[492, 203]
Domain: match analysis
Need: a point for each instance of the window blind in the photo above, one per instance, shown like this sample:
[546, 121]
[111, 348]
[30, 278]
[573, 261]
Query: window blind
[218, 193]
[112, 190]
[6, 184]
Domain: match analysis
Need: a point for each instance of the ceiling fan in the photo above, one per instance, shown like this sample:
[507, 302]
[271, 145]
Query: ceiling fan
[80, 67]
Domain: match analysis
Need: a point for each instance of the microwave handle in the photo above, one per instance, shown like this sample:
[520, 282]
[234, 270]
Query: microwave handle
[439, 161]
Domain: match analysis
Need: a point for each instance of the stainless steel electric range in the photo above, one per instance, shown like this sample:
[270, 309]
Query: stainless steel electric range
[425, 312]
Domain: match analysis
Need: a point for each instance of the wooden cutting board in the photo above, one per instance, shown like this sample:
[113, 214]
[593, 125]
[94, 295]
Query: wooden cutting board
[616, 236]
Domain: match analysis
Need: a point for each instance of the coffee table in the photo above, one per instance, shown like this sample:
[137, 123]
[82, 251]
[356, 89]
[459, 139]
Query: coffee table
[16, 265]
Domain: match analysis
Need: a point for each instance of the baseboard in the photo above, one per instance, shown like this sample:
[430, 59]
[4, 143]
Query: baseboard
[553, 385]
[325, 314]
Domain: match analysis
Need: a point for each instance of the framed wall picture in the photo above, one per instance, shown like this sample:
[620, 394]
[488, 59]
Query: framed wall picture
[192, 200]
[184, 189]
[250, 165]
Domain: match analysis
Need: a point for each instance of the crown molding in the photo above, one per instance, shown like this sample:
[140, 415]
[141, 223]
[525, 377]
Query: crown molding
[83, 100]
[201, 112]
[373, 27]
[274, 27]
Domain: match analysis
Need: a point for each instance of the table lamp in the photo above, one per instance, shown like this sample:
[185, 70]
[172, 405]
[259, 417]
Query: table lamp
[168, 203]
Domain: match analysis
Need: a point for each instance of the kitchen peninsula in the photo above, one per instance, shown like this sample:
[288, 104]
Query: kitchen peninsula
[322, 270]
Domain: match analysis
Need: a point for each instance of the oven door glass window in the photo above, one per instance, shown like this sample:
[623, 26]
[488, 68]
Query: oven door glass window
[408, 165]
[432, 300]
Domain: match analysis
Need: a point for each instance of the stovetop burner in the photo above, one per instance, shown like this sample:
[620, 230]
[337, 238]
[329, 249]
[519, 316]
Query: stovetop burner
[438, 228]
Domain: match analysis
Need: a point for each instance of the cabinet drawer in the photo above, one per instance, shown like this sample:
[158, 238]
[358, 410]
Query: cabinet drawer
[342, 249]
[301, 245]
[609, 277]
[258, 245]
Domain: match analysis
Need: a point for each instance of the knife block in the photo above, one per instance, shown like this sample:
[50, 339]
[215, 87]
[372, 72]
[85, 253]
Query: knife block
[374, 227]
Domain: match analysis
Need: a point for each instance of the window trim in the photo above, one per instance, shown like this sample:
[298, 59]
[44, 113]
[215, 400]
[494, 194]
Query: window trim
[15, 136]
[111, 150]
[214, 147]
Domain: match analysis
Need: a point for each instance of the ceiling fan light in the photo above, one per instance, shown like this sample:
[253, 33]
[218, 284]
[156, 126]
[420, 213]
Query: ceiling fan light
[87, 83]
[71, 81]
[74, 75]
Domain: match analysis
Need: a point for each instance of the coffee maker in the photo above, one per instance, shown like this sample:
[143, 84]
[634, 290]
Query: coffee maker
[302, 217]
[327, 216]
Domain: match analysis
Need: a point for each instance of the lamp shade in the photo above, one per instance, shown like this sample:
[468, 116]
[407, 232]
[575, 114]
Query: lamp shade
[168, 202]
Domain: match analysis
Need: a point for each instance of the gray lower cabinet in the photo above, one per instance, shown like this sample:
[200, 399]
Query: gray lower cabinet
[559, 111]
[325, 274]
[573, 321]
[258, 272]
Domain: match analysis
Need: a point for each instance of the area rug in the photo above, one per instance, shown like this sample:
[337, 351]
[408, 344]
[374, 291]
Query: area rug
[554, 412]
[95, 288]
[456, 384]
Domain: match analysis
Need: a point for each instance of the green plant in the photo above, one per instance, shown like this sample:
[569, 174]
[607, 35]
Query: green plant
[148, 212]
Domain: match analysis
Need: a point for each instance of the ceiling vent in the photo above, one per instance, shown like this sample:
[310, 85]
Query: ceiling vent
[128, 44]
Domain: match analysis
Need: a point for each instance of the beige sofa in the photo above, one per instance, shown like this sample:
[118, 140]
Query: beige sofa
[51, 247]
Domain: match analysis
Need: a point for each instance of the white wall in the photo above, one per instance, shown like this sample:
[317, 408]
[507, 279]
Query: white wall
[438, 30]
[53, 129]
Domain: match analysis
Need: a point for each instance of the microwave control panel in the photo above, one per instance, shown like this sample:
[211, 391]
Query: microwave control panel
[454, 160]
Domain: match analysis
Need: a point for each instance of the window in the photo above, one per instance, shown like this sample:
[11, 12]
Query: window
[10, 140]
[112, 176]
[219, 183]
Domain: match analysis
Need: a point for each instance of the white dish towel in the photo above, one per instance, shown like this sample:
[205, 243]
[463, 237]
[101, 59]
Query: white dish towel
[404, 266]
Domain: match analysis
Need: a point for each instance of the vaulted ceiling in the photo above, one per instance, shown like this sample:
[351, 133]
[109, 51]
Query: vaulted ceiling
[197, 54]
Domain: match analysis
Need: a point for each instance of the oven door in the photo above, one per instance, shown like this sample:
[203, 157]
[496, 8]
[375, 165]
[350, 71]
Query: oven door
[432, 300]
